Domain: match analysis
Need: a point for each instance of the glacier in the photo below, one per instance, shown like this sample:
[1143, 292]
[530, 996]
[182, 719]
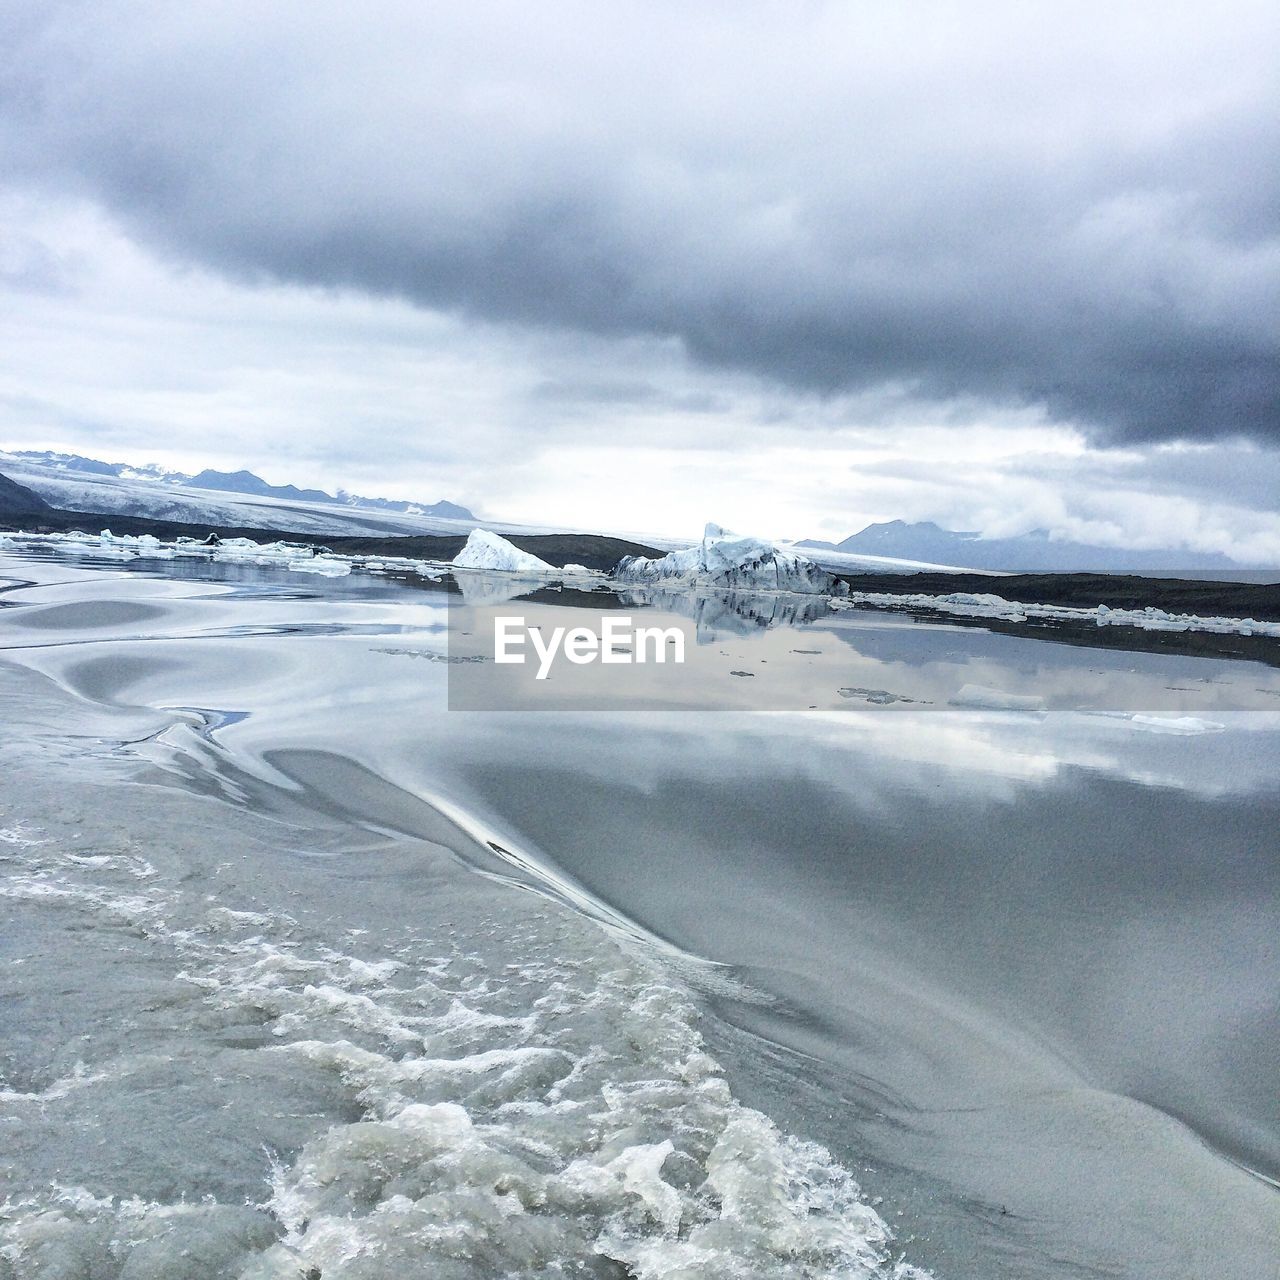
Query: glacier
[724, 559]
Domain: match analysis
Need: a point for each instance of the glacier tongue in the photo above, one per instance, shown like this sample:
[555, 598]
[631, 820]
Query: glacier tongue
[485, 550]
[724, 559]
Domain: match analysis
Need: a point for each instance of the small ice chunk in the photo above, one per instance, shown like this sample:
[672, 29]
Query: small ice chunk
[1177, 724]
[985, 699]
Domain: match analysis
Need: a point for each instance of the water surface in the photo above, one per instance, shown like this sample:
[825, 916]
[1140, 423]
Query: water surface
[580, 989]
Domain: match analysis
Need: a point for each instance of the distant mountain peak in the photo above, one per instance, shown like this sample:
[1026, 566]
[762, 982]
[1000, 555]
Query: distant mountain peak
[1034, 551]
[246, 482]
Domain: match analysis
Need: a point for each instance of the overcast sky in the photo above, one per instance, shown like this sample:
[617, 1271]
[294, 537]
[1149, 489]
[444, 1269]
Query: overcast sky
[791, 266]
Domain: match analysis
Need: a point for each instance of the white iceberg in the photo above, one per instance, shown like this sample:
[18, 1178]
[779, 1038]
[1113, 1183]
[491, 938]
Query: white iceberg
[723, 559]
[485, 550]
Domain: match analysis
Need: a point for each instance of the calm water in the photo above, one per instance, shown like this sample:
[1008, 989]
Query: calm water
[303, 972]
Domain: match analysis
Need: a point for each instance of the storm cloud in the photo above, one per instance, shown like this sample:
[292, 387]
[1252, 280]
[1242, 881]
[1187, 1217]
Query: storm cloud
[1064, 207]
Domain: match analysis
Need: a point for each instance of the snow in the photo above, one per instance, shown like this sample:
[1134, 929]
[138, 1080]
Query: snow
[966, 604]
[485, 550]
[725, 559]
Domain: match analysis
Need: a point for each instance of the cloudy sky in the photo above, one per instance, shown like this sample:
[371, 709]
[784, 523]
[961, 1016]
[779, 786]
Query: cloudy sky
[793, 266]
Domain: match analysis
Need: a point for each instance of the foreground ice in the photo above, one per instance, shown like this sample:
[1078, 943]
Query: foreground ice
[485, 550]
[724, 559]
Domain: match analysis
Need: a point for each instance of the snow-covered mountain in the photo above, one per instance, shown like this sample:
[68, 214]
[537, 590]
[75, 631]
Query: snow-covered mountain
[724, 559]
[247, 482]
[234, 482]
[443, 509]
[93, 467]
[1029, 553]
[72, 483]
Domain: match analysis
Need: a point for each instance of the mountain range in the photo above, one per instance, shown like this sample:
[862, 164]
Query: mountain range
[39, 480]
[241, 482]
[1031, 552]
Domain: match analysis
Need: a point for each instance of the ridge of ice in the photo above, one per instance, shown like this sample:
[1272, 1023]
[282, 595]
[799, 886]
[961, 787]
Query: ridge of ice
[486, 550]
[969, 605]
[725, 559]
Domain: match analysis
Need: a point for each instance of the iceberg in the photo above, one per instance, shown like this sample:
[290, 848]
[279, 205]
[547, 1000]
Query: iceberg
[724, 559]
[485, 550]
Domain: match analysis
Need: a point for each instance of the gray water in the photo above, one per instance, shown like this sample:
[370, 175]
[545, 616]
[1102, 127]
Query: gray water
[306, 974]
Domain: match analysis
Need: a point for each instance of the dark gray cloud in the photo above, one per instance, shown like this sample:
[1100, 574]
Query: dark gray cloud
[1241, 474]
[1052, 205]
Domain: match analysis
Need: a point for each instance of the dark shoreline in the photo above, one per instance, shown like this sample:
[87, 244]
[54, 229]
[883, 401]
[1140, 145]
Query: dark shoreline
[1088, 635]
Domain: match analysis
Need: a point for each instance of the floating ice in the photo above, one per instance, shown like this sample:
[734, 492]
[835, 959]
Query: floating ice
[877, 697]
[1182, 725]
[297, 557]
[724, 559]
[979, 696]
[970, 605]
[485, 550]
